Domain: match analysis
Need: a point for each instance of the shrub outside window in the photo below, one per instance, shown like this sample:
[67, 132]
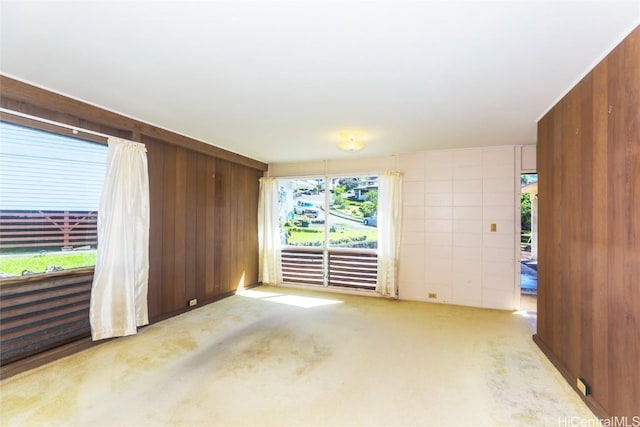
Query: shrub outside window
[346, 217]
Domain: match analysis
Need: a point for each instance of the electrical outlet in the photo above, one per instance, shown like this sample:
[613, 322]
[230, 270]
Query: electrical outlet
[193, 302]
[433, 295]
[583, 387]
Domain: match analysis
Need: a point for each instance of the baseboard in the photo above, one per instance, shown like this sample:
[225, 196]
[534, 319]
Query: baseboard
[47, 356]
[56, 353]
[595, 407]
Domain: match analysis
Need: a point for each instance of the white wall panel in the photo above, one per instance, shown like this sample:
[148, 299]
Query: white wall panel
[450, 200]
[411, 225]
[529, 158]
[438, 212]
[413, 212]
[467, 295]
[498, 185]
[412, 238]
[438, 240]
[438, 199]
[438, 226]
[467, 186]
[467, 226]
[471, 157]
[467, 172]
[440, 186]
[468, 240]
[466, 212]
[467, 199]
[498, 199]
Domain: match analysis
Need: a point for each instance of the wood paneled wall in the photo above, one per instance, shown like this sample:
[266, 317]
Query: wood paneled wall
[203, 236]
[589, 233]
[204, 202]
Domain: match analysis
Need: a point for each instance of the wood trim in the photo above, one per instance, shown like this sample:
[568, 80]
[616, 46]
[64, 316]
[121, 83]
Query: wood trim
[165, 316]
[22, 280]
[60, 130]
[25, 98]
[49, 356]
[598, 410]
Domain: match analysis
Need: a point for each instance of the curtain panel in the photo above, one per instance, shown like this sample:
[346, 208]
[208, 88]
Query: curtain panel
[269, 247]
[389, 232]
[119, 291]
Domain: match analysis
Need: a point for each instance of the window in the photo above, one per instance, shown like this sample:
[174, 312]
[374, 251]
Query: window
[348, 213]
[329, 230]
[50, 187]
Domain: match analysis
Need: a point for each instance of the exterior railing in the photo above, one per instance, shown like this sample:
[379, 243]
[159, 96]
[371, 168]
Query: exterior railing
[47, 229]
[43, 311]
[344, 267]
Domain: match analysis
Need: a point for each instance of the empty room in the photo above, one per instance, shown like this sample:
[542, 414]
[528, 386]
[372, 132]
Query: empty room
[320, 213]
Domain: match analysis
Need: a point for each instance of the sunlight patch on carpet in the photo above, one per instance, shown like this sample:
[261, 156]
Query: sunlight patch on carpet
[295, 300]
[522, 313]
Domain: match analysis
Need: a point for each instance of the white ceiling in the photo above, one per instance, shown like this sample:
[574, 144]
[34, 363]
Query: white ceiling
[277, 81]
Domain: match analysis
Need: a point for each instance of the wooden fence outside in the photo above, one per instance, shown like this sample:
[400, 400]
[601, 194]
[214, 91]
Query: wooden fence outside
[39, 229]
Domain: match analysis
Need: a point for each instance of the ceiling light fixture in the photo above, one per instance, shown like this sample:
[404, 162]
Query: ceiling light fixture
[351, 143]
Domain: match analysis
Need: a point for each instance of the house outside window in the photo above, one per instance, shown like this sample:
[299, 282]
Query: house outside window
[328, 229]
[50, 186]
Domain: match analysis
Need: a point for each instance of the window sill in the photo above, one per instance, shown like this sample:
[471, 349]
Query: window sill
[8, 281]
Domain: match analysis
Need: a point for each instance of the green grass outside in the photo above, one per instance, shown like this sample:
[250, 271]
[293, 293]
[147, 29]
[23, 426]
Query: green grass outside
[316, 235]
[351, 209]
[15, 265]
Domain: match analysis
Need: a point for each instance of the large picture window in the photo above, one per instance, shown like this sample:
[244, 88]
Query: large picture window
[346, 217]
[329, 230]
[50, 187]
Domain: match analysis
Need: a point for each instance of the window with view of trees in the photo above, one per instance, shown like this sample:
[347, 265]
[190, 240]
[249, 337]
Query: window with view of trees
[329, 230]
[50, 187]
[346, 217]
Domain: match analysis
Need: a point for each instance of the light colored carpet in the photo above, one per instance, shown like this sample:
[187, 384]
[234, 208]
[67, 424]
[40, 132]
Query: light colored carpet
[280, 357]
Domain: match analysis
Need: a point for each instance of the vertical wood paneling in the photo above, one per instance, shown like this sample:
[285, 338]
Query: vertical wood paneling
[168, 231]
[191, 236]
[558, 246]
[209, 230]
[235, 241]
[203, 230]
[155, 159]
[234, 196]
[624, 297]
[251, 226]
[179, 230]
[570, 189]
[200, 225]
[222, 225]
[599, 221]
[584, 232]
[247, 267]
[589, 230]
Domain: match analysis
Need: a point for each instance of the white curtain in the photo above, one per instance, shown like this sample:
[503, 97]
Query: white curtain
[389, 232]
[119, 291]
[269, 267]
